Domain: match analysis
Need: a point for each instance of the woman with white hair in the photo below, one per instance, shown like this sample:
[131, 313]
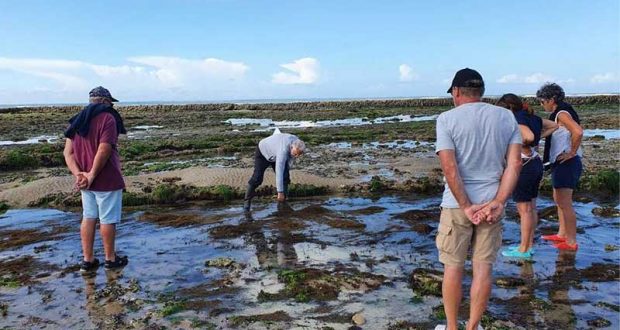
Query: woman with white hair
[276, 151]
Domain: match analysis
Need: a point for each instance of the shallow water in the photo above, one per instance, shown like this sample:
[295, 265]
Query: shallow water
[337, 235]
[324, 123]
[32, 140]
[607, 133]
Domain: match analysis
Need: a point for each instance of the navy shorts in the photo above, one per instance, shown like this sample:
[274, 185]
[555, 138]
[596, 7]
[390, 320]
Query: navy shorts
[567, 174]
[529, 180]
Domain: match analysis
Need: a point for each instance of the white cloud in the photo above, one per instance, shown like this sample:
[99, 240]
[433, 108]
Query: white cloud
[538, 78]
[407, 74]
[535, 78]
[152, 77]
[509, 78]
[603, 78]
[303, 71]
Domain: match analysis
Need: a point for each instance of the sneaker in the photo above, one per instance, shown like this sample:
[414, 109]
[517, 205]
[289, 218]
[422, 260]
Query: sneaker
[515, 253]
[118, 262]
[553, 238]
[89, 266]
[440, 327]
[566, 246]
[516, 247]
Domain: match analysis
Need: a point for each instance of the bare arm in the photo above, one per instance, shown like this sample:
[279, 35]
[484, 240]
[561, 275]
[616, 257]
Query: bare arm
[104, 150]
[447, 159]
[69, 159]
[548, 128]
[526, 134]
[576, 132]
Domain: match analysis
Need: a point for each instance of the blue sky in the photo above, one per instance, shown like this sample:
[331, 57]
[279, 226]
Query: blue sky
[191, 50]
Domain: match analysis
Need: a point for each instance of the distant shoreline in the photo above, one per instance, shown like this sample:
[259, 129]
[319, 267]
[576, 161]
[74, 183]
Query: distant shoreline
[284, 101]
[314, 104]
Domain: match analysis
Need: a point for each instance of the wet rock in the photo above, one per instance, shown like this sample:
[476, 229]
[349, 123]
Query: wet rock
[232, 231]
[607, 305]
[422, 228]
[221, 263]
[368, 210]
[175, 220]
[21, 271]
[606, 212]
[509, 282]
[279, 316]
[41, 248]
[611, 247]
[548, 213]
[425, 282]
[358, 319]
[415, 216]
[344, 318]
[4, 206]
[598, 272]
[599, 322]
[4, 309]
[20, 237]
[407, 325]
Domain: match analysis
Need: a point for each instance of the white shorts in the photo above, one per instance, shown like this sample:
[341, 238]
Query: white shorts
[102, 205]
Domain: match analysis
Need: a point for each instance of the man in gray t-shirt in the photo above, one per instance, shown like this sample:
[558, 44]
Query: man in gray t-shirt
[276, 151]
[479, 148]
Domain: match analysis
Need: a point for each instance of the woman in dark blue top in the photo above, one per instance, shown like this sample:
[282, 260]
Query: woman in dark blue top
[532, 129]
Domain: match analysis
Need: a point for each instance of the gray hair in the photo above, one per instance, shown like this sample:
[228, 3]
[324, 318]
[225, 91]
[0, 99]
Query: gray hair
[299, 145]
[472, 88]
[99, 100]
[551, 91]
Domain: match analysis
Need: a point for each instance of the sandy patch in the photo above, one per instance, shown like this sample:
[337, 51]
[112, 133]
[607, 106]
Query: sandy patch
[198, 176]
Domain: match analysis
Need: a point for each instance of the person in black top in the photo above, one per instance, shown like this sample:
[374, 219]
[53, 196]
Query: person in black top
[532, 129]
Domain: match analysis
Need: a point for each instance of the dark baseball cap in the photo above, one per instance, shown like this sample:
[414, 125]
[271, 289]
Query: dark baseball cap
[99, 91]
[467, 78]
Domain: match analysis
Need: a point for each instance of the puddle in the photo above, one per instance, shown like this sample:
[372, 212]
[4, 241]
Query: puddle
[324, 123]
[147, 127]
[33, 140]
[360, 251]
[607, 133]
[396, 144]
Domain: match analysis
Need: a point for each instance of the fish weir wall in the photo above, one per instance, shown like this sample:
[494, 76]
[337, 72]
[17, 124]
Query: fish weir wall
[611, 100]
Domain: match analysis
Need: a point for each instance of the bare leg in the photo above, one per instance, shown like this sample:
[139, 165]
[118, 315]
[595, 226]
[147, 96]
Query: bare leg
[87, 233]
[564, 200]
[108, 235]
[480, 292]
[534, 222]
[451, 292]
[562, 228]
[528, 223]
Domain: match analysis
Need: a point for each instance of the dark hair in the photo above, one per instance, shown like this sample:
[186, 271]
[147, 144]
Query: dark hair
[513, 103]
[551, 91]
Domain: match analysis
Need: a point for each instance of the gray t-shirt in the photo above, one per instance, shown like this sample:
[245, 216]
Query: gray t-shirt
[277, 148]
[479, 133]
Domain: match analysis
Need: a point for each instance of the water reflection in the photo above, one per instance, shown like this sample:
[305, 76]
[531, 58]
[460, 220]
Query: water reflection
[103, 307]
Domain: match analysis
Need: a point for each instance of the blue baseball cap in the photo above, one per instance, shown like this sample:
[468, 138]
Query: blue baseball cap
[99, 91]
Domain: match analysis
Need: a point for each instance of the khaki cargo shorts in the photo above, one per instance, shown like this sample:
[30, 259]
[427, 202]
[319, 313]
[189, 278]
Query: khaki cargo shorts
[456, 233]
